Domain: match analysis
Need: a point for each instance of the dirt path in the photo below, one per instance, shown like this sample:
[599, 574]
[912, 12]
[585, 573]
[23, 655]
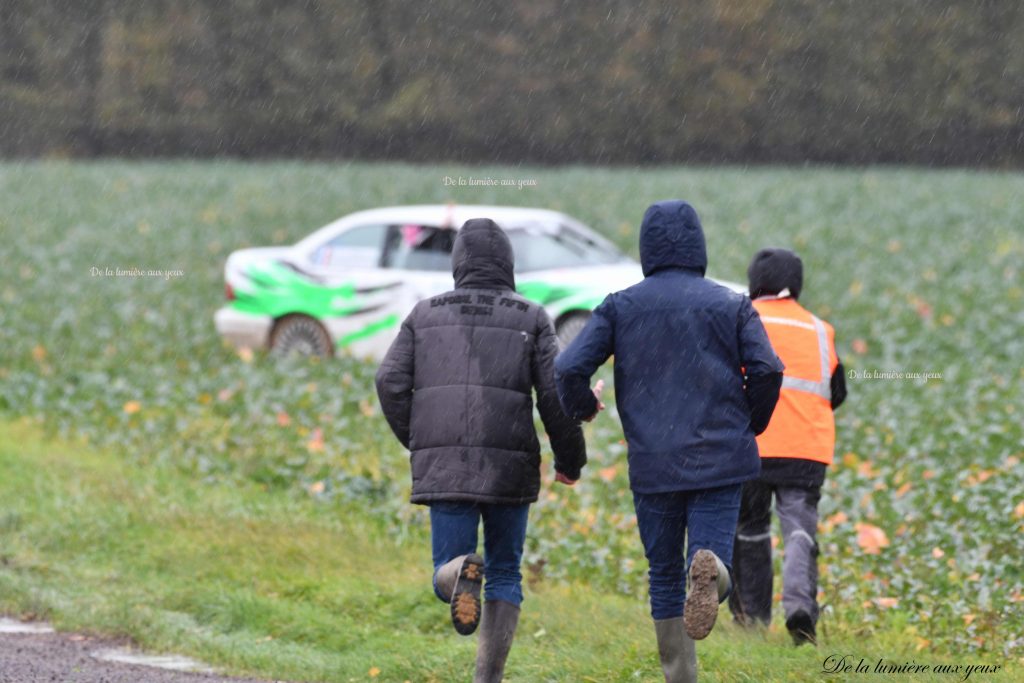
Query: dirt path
[48, 657]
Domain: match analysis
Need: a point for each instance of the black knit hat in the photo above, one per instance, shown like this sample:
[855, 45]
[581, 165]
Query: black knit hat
[773, 270]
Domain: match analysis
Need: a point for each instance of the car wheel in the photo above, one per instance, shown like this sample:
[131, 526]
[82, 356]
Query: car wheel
[570, 325]
[302, 335]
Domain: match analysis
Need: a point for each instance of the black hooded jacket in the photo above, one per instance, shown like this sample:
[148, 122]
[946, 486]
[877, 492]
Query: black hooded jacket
[457, 384]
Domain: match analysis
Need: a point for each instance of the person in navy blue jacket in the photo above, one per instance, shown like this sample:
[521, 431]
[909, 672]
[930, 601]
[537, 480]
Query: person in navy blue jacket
[695, 380]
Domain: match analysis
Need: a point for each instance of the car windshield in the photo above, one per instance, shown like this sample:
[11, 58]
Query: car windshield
[545, 249]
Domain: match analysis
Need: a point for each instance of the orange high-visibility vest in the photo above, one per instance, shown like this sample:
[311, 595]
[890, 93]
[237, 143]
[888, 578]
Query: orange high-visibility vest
[802, 425]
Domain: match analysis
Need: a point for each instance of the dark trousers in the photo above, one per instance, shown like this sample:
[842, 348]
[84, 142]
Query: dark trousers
[667, 521]
[797, 507]
[454, 530]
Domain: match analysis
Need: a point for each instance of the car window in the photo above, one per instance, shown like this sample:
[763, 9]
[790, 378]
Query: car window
[538, 249]
[419, 247]
[358, 247]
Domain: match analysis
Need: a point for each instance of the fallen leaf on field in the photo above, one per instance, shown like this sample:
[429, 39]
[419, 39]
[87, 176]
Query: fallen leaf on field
[836, 519]
[870, 538]
[316, 487]
[225, 395]
[38, 353]
[283, 420]
[366, 408]
[205, 398]
[859, 346]
[132, 407]
[922, 643]
[850, 459]
[608, 473]
[937, 553]
[928, 474]
[887, 603]
[901, 491]
[968, 618]
[865, 469]
[1019, 510]
[316, 442]
[374, 672]
[245, 354]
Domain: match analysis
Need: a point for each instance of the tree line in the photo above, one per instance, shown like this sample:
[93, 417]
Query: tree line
[549, 81]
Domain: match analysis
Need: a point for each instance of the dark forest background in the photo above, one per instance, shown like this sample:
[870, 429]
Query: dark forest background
[553, 81]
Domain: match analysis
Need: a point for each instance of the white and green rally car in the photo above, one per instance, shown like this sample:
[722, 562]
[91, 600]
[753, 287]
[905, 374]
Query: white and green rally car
[351, 283]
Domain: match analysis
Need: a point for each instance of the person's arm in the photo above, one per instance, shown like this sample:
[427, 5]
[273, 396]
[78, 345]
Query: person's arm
[576, 365]
[762, 367]
[395, 382]
[565, 433]
[838, 384]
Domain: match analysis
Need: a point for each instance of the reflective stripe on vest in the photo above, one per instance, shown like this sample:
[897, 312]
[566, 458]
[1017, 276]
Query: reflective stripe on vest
[823, 387]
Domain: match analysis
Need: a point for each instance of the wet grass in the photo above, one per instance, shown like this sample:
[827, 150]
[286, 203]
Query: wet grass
[289, 588]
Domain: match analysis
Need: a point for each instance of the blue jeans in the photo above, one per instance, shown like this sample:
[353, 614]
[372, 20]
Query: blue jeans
[453, 532]
[704, 518]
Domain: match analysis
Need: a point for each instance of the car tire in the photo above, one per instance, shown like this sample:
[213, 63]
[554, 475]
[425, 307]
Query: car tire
[301, 335]
[569, 326]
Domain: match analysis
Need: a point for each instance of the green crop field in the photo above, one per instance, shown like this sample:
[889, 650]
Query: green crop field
[253, 511]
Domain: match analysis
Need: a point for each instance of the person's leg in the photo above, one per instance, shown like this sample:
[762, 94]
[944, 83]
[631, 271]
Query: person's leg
[711, 516]
[504, 536]
[798, 515]
[458, 570]
[453, 533]
[751, 597]
[661, 520]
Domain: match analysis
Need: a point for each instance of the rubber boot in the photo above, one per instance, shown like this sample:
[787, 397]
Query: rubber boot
[709, 584]
[677, 651]
[460, 579]
[497, 629]
[801, 628]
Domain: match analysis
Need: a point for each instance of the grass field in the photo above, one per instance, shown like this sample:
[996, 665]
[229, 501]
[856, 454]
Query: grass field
[202, 501]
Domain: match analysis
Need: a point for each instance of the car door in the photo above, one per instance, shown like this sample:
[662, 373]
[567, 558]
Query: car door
[367, 302]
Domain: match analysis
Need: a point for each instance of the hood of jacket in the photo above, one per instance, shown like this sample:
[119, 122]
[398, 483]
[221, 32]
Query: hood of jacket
[482, 257]
[671, 237]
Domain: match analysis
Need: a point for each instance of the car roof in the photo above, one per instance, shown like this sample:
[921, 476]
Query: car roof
[454, 215]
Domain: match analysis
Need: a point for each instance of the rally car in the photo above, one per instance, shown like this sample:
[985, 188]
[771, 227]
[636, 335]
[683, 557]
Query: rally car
[349, 285]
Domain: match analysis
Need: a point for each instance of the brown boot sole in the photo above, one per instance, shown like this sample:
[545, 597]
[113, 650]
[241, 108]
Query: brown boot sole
[465, 603]
[701, 608]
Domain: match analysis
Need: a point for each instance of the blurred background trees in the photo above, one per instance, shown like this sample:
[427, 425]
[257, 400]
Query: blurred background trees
[554, 81]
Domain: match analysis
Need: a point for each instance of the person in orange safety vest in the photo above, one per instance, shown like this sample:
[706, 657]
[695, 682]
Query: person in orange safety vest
[795, 450]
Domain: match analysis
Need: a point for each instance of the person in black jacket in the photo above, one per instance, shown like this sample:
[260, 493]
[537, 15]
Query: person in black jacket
[695, 380]
[456, 387]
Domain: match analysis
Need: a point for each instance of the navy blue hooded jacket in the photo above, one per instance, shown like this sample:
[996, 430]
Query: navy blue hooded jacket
[695, 375]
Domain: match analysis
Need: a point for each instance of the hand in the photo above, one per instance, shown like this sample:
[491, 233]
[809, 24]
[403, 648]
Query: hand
[598, 388]
[562, 479]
